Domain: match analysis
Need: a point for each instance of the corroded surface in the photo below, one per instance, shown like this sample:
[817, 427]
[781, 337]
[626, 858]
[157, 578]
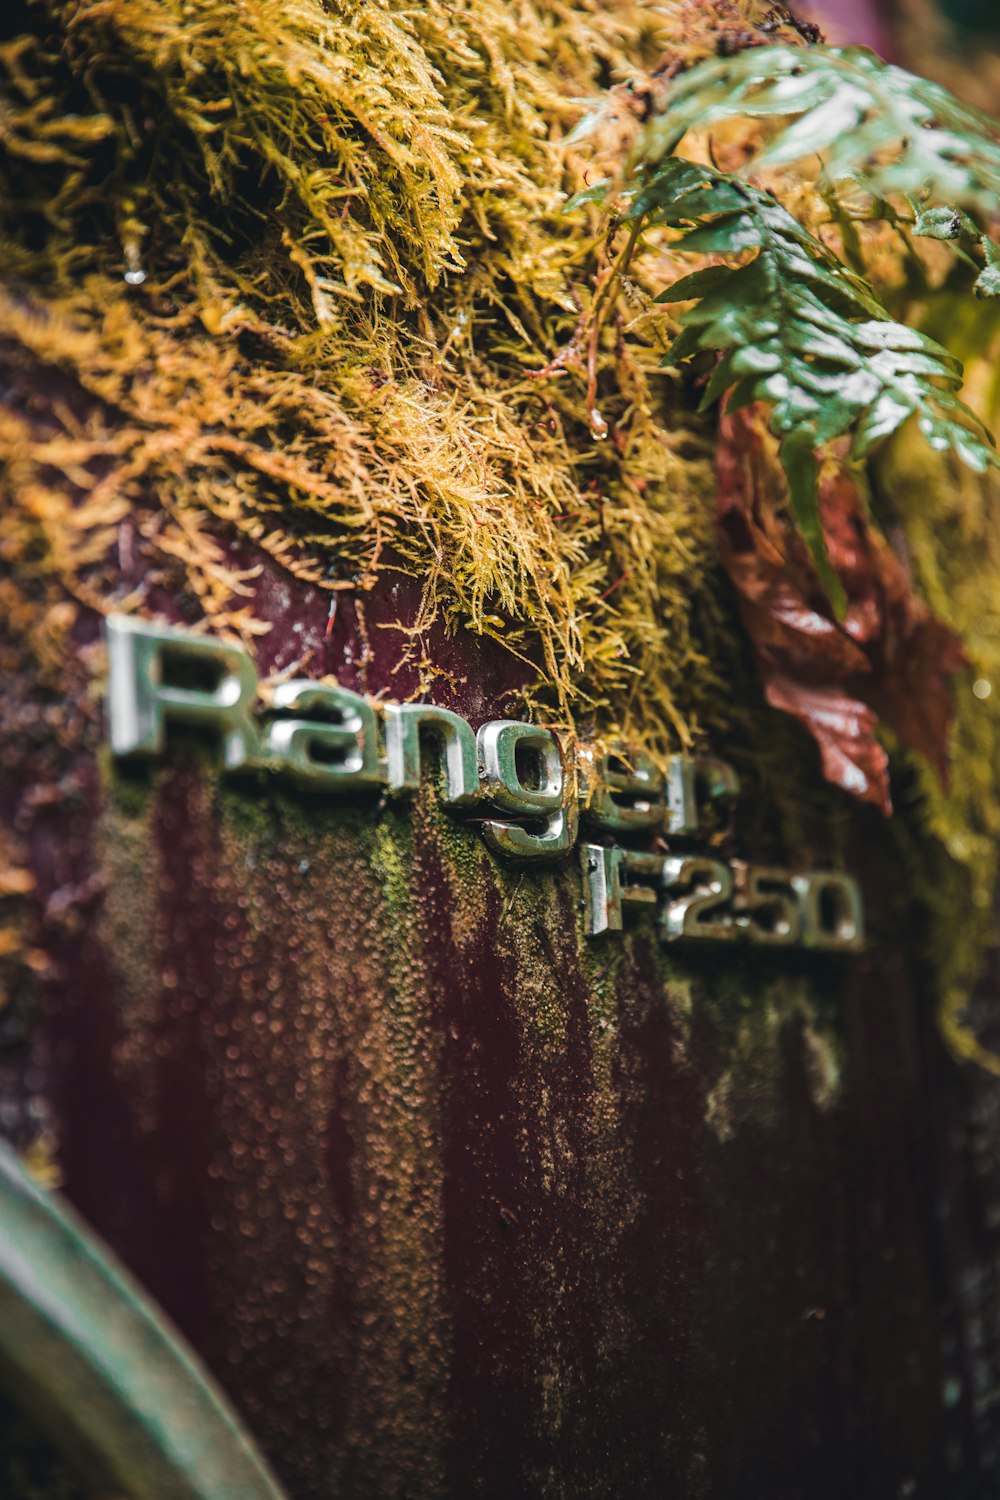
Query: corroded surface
[456, 1203]
[453, 1204]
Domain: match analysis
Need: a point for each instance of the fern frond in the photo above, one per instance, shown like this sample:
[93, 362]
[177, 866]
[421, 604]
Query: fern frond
[870, 120]
[794, 327]
[799, 331]
[875, 126]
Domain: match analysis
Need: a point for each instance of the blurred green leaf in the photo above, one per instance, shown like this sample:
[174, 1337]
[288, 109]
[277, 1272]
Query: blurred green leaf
[595, 193]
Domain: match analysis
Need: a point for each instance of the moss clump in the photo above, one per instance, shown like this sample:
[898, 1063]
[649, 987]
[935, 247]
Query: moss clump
[287, 274]
[280, 280]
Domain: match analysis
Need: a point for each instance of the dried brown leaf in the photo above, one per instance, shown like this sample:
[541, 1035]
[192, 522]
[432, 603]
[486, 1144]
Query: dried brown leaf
[889, 660]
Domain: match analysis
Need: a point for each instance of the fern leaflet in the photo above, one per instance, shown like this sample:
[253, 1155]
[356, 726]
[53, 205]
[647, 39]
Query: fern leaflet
[874, 125]
[799, 331]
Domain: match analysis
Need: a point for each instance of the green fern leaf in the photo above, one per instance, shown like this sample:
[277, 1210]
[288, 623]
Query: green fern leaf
[792, 326]
[871, 121]
[595, 193]
[988, 283]
[875, 127]
[797, 330]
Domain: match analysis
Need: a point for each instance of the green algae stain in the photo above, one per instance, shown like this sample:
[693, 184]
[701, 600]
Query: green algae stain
[328, 973]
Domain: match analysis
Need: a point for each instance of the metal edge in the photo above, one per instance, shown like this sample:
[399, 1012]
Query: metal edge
[112, 1374]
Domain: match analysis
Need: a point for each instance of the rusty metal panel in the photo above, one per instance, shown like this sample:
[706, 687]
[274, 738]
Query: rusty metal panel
[455, 1201]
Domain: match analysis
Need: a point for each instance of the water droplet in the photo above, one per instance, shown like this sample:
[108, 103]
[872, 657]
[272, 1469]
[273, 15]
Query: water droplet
[982, 688]
[598, 426]
[136, 277]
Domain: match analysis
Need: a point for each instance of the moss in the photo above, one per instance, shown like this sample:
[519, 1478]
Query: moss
[950, 837]
[326, 1136]
[281, 281]
[753, 1045]
[296, 271]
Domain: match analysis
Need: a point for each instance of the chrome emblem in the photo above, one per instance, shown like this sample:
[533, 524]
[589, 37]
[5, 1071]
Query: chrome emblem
[530, 803]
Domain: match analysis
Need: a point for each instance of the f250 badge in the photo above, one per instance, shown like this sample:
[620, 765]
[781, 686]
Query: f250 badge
[529, 803]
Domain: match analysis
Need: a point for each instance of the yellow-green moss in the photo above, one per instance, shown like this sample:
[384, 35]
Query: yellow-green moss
[302, 265]
[287, 274]
[950, 837]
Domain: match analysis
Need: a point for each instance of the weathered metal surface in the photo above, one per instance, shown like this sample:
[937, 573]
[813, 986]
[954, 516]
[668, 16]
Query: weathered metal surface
[527, 793]
[455, 1201]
